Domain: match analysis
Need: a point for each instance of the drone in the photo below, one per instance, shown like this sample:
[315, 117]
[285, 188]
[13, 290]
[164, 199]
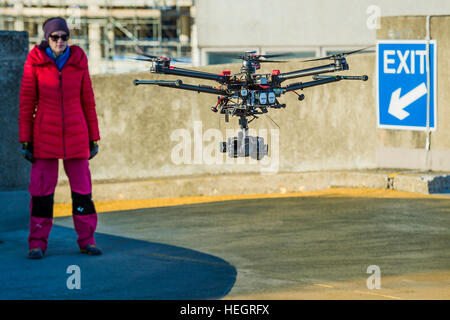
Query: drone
[248, 94]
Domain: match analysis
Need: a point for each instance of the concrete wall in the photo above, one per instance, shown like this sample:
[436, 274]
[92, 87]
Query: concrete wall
[334, 128]
[14, 170]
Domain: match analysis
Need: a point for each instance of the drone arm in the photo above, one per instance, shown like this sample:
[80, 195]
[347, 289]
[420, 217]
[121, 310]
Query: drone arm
[312, 71]
[303, 85]
[363, 78]
[319, 80]
[192, 74]
[204, 89]
[178, 84]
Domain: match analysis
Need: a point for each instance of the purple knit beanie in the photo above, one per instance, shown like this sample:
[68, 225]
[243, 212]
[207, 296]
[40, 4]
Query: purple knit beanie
[55, 24]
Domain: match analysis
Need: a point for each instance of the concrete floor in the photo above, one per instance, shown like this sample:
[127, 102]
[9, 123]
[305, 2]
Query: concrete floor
[315, 246]
[303, 247]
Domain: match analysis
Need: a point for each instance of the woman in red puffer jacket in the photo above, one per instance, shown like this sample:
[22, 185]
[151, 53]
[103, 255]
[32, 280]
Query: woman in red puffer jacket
[57, 120]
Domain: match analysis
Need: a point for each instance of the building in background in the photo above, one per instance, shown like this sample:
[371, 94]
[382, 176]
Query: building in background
[201, 31]
[108, 30]
[304, 27]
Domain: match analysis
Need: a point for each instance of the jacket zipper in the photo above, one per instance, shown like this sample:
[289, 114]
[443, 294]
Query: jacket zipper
[62, 112]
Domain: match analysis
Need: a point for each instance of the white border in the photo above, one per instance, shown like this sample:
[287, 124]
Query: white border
[397, 127]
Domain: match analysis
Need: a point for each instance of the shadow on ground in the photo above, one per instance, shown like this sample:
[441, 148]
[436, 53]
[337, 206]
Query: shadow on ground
[128, 269]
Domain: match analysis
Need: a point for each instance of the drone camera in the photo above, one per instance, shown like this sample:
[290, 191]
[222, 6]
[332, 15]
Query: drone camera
[248, 146]
[301, 97]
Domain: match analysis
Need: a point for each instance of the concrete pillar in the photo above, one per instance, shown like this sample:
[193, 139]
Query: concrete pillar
[195, 51]
[109, 46]
[95, 49]
[40, 30]
[185, 28]
[111, 40]
[19, 24]
[14, 169]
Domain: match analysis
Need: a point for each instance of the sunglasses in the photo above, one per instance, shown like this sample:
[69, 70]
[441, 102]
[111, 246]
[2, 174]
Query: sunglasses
[55, 38]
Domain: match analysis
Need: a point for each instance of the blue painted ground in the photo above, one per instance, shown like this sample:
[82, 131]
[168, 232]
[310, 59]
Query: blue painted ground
[128, 269]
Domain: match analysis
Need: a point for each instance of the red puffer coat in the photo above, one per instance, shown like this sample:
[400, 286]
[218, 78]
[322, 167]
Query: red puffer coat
[57, 109]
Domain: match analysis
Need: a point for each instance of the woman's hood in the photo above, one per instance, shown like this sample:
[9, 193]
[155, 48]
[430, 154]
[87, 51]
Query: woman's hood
[77, 57]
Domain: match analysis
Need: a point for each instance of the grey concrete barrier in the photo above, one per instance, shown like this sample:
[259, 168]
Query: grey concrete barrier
[14, 170]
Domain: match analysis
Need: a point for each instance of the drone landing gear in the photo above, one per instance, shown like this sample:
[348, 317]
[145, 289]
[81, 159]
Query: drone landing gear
[244, 145]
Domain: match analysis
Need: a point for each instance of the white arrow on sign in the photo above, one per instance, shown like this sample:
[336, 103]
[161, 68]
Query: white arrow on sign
[397, 104]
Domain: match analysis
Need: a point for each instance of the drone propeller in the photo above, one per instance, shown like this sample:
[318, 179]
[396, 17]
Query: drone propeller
[146, 59]
[151, 58]
[156, 58]
[264, 56]
[276, 61]
[252, 56]
[338, 55]
[142, 53]
[275, 55]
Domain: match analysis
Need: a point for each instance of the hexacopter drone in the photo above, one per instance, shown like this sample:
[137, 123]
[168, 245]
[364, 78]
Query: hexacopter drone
[247, 93]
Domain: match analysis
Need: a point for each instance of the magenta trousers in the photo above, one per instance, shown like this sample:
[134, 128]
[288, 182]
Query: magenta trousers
[44, 177]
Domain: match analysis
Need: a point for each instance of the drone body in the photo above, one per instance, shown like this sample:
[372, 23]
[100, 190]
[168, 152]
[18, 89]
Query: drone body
[247, 93]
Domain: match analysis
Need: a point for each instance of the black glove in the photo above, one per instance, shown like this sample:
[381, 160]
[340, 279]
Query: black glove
[27, 151]
[93, 148]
